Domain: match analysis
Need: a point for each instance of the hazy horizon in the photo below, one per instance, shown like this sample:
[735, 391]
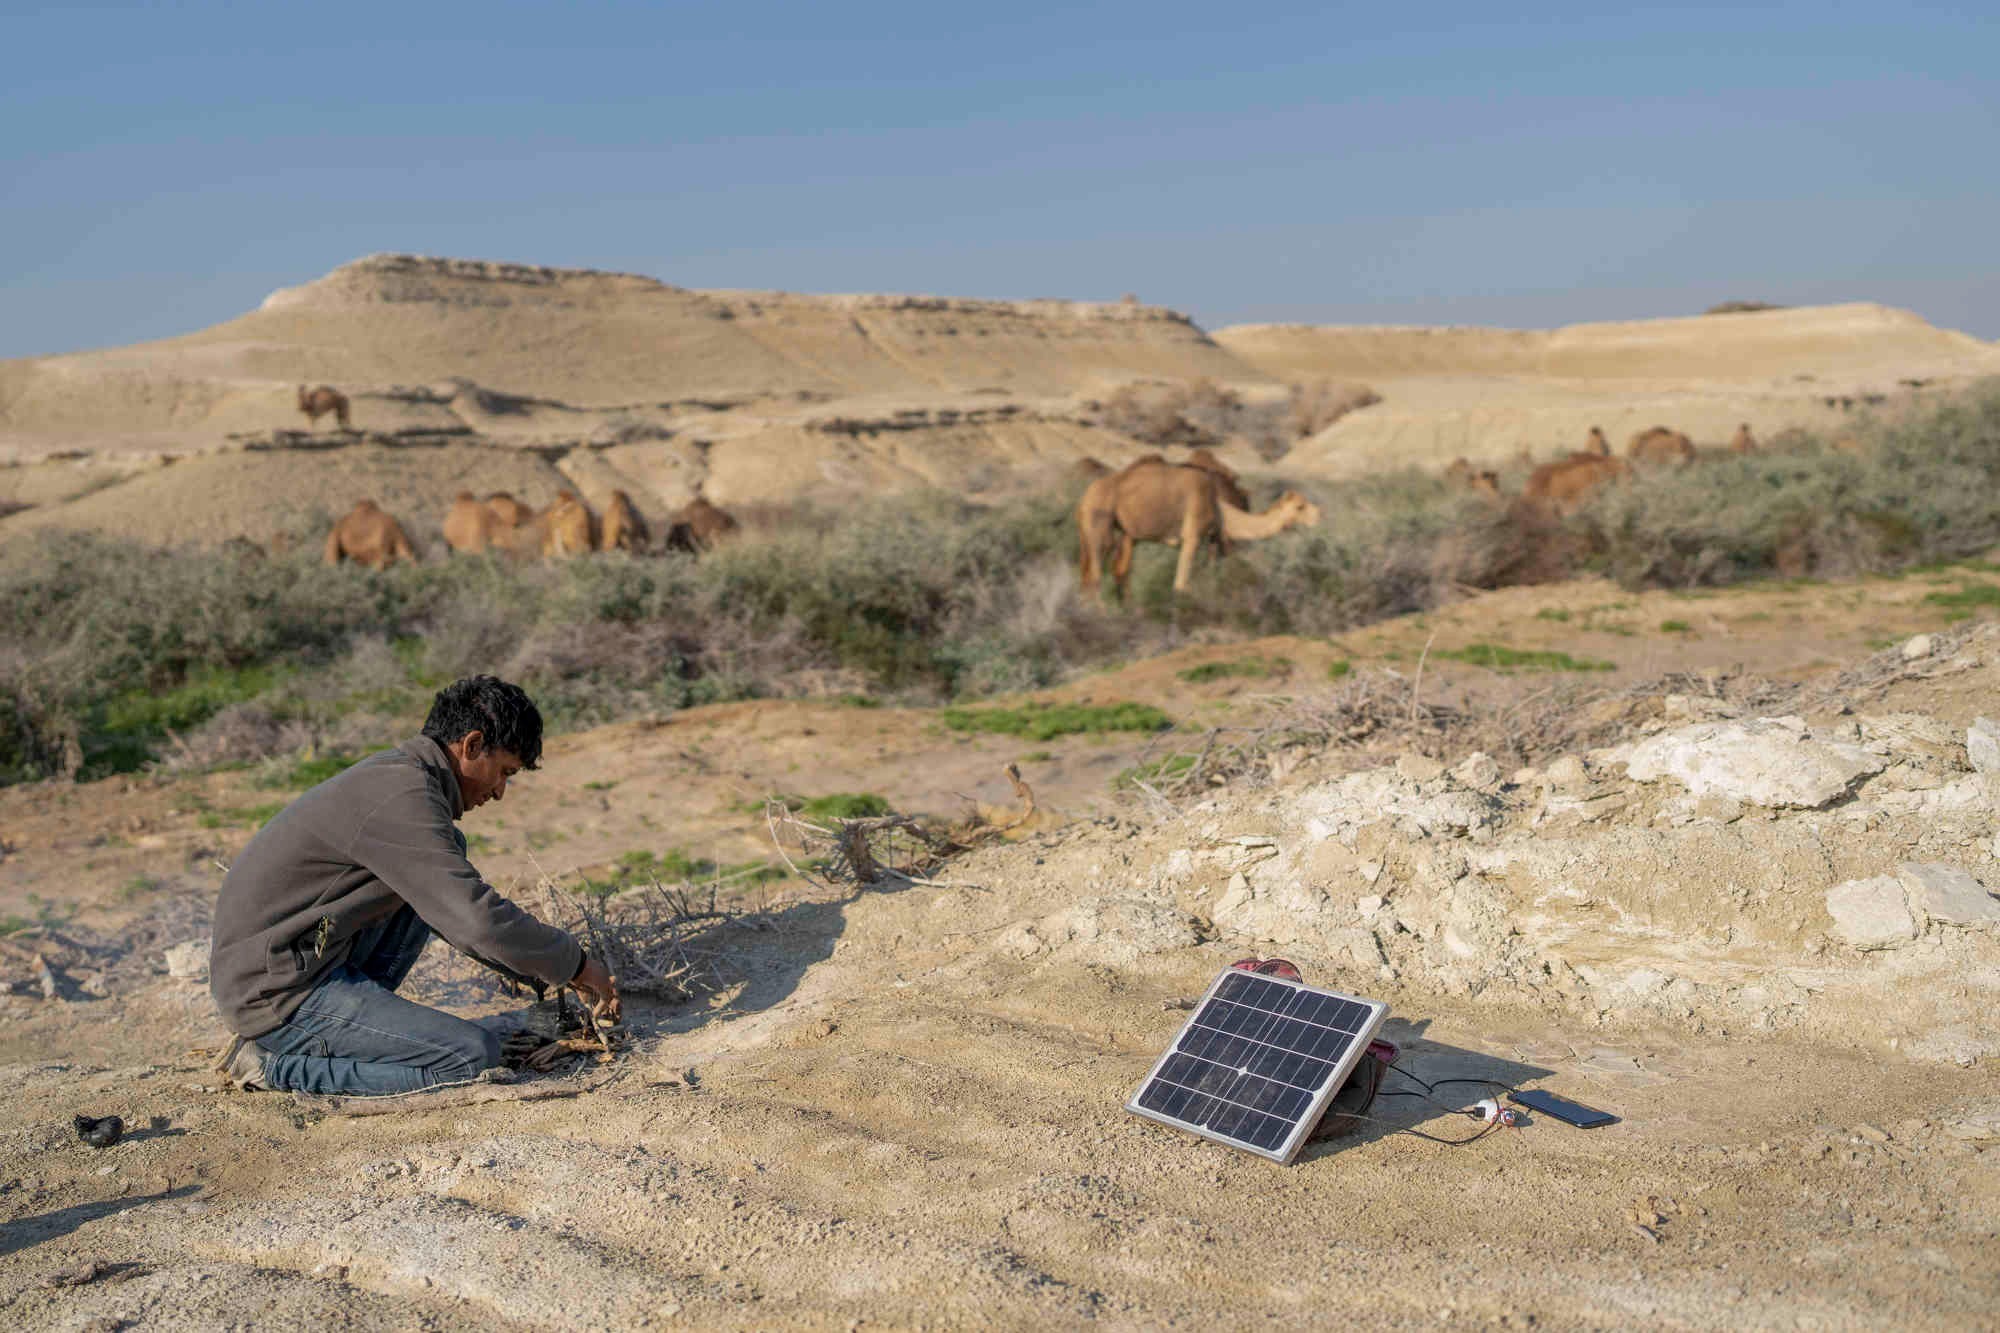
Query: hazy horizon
[165, 171]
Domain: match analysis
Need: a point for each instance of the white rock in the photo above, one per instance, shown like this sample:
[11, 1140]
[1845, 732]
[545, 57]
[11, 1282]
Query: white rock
[1946, 893]
[1477, 770]
[1982, 744]
[1370, 905]
[1567, 771]
[1918, 646]
[1236, 898]
[1871, 913]
[188, 961]
[1769, 761]
[1383, 796]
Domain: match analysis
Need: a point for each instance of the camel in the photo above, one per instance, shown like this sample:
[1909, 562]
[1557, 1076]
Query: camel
[508, 512]
[1564, 485]
[700, 526]
[316, 403]
[1177, 506]
[622, 529]
[1660, 445]
[1087, 470]
[1232, 490]
[367, 536]
[1462, 475]
[470, 526]
[1743, 442]
[1595, 443]
[568, 527]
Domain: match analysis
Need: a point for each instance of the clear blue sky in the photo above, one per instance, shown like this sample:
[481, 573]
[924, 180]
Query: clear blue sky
[164, 167]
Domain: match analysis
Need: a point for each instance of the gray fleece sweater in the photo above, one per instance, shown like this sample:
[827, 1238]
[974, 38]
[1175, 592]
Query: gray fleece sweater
[348, 853]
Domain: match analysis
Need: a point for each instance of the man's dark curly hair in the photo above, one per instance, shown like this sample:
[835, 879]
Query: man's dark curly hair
[501, 712]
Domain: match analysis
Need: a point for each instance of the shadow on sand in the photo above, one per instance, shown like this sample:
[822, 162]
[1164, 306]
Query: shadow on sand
[1403, 1105]
[31, 1231]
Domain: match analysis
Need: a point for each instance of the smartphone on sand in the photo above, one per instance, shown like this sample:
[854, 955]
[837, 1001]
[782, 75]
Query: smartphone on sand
[1570, 1113]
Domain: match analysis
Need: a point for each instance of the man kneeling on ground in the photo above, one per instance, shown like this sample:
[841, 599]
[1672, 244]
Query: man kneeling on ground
[326, 910]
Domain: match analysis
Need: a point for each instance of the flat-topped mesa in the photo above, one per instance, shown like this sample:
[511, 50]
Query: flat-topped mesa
[1859, 337]
[1111, 312]
[403, 277]
[399, 277]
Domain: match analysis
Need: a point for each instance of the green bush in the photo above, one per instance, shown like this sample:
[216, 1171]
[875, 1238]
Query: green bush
[845, 805]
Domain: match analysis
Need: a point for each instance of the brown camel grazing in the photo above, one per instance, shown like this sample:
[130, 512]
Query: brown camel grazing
[622, 529]
[568, 527]
[699, 526]
[316, 403]
[370, 537]
[1743, 442]
[469, 526]
[1658, 445]
[1595, 443]
[1564, 485]
[1175, 505]
[1232, 490]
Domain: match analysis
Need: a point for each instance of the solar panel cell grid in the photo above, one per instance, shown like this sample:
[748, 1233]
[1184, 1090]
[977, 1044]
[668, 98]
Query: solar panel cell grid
[1257, 1061]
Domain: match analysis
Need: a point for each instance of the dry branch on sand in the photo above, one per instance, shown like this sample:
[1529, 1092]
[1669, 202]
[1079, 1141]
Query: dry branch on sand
[657, 939]
[889, 850]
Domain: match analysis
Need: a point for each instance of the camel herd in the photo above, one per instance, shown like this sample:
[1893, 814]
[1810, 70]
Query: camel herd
[366, 535]
[1561, 486]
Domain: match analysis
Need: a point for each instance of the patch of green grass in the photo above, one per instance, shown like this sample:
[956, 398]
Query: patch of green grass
[599, 786]
[1553, 613]
[205, 692]
[478, 842]
[845, 805]
[1878, 643]
[1254, 668]
[1156, 771]
[311, 771]
[1676, 627]
[1966, 597]
[256, 816]
[1499, 657]
[674, 866]
[1339, 668]
[137, 887]
[1045, 722]
[1037, 757]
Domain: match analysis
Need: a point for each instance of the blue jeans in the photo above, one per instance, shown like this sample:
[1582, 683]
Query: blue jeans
[354, 1036]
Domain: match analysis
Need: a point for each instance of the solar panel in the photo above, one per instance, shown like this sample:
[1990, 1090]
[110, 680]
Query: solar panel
[1257, 1062]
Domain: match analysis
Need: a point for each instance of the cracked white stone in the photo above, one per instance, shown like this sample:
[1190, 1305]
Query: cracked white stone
[1871, 913]
[1770, 761]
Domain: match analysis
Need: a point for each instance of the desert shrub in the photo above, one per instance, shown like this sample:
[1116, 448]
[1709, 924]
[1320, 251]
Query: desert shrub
[1740, 307]
[1316, 405]
[1922, 487]
[118, 656]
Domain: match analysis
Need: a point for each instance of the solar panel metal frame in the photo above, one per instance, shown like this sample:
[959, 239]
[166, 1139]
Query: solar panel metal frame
[1303, 1127]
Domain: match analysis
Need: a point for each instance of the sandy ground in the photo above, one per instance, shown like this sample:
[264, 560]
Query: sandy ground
[905, 1108]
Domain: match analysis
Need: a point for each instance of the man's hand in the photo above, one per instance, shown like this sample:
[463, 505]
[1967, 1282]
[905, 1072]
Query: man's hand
[599, 991]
